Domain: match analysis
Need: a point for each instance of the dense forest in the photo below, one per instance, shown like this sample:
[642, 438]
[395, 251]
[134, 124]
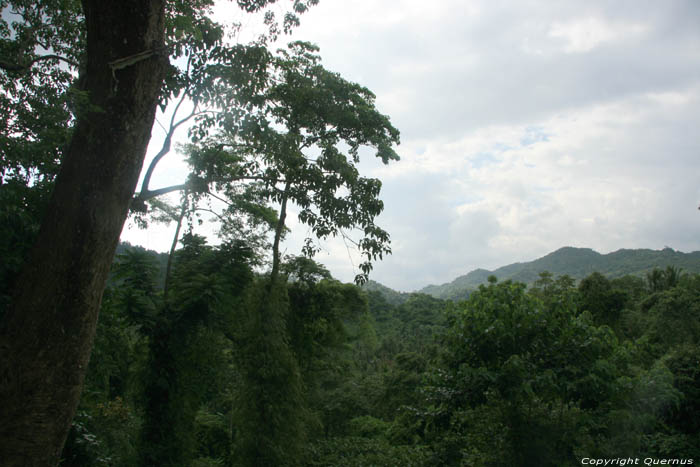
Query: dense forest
[545, 375]
[229, 353]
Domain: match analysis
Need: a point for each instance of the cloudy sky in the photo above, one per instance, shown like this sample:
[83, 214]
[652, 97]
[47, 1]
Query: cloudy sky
[525, 126]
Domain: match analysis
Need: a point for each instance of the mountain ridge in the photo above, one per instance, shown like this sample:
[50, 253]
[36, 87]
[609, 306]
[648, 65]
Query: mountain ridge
[576, 262]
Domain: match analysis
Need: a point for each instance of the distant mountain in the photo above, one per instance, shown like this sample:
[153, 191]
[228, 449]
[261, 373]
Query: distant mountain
[390, 295]
[577, 263]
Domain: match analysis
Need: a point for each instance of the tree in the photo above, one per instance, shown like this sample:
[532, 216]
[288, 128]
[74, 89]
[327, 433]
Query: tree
[205, 289]
[47, 331]
[35, 101]
[107, 425]
[270, 405]
[597, 295]
[321, 318]
[659, 280]
[288, 142]
[300, 137]
[518, 381]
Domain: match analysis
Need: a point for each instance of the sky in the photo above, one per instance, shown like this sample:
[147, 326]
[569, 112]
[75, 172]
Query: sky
[525, 127]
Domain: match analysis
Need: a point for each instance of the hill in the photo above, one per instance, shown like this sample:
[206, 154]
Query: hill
[390, 295]
[577, 263]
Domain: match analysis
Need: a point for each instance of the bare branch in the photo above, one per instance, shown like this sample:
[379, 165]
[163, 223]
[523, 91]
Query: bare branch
[347, 238]
[161, 125]
[167, 143]
[145, 196]
[227, 203]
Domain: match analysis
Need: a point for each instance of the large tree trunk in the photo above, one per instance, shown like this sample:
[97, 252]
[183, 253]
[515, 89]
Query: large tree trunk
[47, 334]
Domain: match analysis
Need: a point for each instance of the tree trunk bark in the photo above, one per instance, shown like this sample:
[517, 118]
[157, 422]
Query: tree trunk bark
[276, 260]
[47, 334]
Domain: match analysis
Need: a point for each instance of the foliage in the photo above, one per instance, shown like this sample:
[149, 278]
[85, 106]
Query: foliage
[40, 47]
[288, 133]
[355, 451]
[321, 373]
[536, 373]
[41, 44]
[270, 407]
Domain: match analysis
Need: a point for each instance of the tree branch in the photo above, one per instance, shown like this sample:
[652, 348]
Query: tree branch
[221, 218]
[220, 199]
[145, 196]
[18, 67]
[165, 149]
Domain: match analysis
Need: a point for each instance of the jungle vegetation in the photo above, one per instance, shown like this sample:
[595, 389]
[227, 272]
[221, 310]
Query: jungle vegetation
[233, 354]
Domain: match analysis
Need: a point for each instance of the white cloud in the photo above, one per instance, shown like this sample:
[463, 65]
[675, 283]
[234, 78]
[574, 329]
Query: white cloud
[598, 176]
[585, 34]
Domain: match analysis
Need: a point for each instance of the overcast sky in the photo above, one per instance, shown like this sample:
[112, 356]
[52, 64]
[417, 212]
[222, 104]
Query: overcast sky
[525, 126]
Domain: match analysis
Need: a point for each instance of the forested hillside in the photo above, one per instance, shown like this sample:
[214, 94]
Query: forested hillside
[342, 377]
[574, 262]
[392, 296]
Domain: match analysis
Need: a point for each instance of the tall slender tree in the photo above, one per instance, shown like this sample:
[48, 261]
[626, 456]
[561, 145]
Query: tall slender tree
[300, 136]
